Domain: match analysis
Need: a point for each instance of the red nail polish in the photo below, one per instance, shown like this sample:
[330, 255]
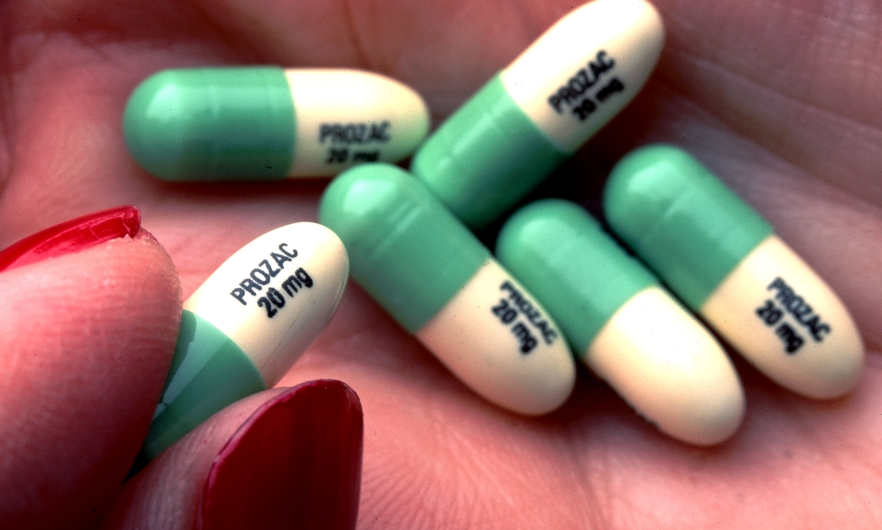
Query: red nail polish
[72, 236]
[296, 463]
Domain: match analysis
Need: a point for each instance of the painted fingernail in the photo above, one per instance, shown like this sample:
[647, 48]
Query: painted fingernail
[72, 236]
[295, 463]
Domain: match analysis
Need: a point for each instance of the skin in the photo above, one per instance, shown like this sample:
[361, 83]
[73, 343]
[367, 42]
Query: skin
[780, 99]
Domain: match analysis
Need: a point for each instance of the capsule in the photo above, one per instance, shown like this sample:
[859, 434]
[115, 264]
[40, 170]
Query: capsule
[535, 113]
[248, 323]
[622, 324]
[431, 274]
[267, 123]
[724, 261]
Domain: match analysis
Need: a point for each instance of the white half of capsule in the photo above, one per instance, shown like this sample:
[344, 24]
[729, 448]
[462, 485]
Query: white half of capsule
[500, 342]
[344, 117]
[602, 52]
[787, 322]
[276, 294]
[669, 368]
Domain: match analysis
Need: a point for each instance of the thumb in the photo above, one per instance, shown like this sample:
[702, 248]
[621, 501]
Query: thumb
[284, 458]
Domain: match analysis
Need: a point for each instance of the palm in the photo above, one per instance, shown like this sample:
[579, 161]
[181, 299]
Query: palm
[779, 101]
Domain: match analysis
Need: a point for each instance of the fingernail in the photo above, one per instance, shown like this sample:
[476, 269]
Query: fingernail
[296, 463]
[72, 236]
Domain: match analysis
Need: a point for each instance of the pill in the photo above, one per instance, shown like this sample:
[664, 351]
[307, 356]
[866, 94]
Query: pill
[248, 323]
[622, 324]
[724, 261]
[256, 123]
[534, 114]
[442, 285]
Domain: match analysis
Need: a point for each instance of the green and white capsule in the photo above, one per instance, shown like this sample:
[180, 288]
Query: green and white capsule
[268, 123]
[622, 323]
[535, 113]
[248, 324]
[434, 277]
[724, 261]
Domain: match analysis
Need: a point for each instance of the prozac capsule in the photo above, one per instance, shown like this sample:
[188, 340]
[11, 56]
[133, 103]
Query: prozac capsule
[536, 112]
[267, 123]
[434, 277]
[248, 323]
[724, 261]
[627, 328]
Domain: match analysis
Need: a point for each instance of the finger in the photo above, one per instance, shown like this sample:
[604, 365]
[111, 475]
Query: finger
[88, 339]
[282, 458]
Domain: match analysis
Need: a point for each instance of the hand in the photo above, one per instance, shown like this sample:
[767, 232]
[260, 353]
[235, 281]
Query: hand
[778, 100]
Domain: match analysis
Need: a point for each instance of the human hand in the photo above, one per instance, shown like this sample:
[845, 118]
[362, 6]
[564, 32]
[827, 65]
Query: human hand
[90, 309]
[777, 99]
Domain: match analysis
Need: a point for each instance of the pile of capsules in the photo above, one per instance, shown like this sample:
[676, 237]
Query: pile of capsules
[505, 330]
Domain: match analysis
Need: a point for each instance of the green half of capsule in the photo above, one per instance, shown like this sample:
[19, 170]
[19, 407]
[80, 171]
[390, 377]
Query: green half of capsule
[681, 220]
[563, 256]
[405, 249]
[204, 356]
[489, 136]
[212, 124]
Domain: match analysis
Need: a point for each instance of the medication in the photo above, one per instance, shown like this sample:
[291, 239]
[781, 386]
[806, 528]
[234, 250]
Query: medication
[248, 323]
[434, 277]
[622, 323]
[536, 112]
[724, 261]
[266, 123]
